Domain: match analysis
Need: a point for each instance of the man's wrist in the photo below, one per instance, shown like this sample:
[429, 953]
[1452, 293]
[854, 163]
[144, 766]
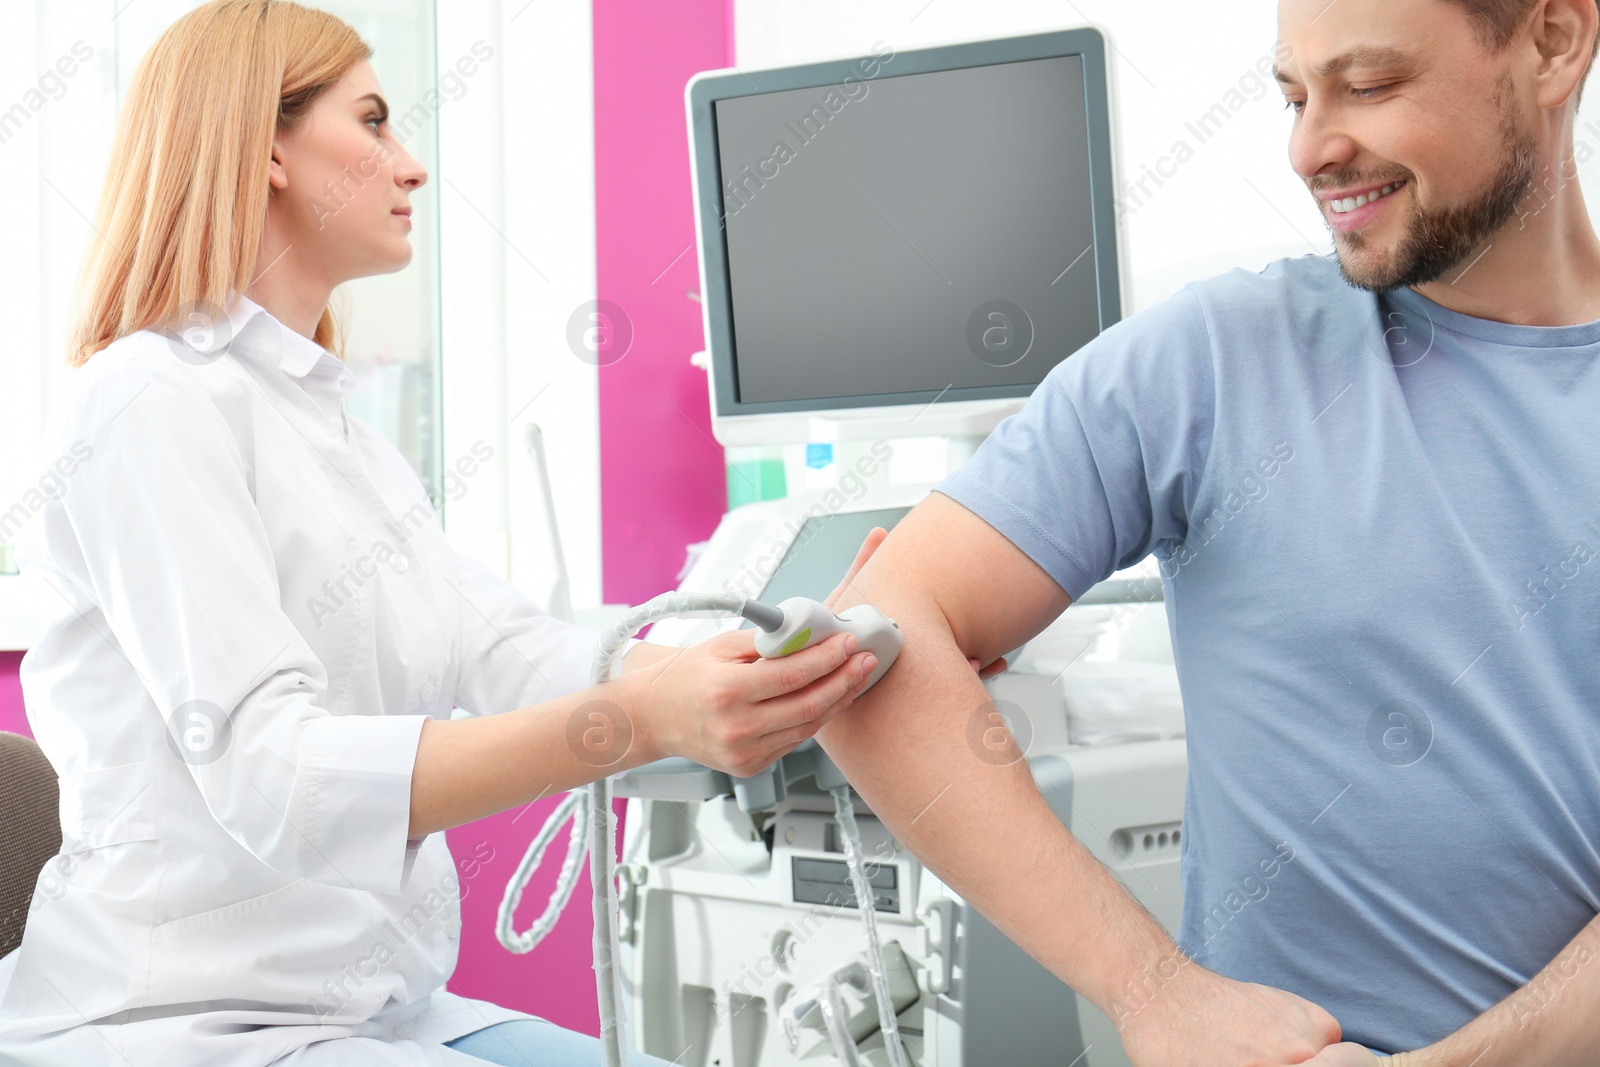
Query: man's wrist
[1139, 990]
[1446, 1053]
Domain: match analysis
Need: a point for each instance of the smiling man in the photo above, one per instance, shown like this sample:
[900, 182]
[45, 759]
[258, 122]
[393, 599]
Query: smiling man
[1388, 661]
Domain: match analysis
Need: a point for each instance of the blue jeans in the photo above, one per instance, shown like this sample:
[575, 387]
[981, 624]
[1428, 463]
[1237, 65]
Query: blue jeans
[536, 1043]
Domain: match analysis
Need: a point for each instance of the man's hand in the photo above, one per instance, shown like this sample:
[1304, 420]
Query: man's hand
[1350, 1054]
[1553, 1021]
[875, 538]
[1201, 1019]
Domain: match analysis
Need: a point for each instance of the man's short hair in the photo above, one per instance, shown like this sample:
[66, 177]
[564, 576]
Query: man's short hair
[1497, 20]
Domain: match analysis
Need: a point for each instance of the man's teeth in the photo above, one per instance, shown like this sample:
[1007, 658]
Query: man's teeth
[1350, 203]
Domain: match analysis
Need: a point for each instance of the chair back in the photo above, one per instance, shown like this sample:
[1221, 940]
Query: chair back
[30, 830]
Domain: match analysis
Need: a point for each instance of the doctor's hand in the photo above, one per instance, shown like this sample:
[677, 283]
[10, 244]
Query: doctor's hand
[723, 706]
[1201, 1019]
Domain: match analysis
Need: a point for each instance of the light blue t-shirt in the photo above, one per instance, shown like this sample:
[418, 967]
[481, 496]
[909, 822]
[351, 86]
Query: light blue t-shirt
[1378, 526]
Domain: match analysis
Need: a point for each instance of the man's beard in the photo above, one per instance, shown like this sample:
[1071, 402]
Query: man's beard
[1435, 242]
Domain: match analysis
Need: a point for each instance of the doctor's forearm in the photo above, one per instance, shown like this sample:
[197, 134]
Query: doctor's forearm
[1553, 1021]
[467, 769]
[645, 654]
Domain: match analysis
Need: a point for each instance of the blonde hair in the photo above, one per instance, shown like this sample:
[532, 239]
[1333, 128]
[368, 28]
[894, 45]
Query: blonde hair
[182, 213]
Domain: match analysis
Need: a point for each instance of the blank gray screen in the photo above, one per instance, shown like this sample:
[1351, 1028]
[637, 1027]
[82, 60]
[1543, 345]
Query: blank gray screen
[822, 552]
[867, 224]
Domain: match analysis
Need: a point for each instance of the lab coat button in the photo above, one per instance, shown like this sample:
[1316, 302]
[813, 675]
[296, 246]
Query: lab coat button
[430, 689]
[452, 929]
[399, 563]
[405, 1031]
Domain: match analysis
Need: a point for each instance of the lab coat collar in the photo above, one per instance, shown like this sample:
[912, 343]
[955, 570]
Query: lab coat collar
[254, 331]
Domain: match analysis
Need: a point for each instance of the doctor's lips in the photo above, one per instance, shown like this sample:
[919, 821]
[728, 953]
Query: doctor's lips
[403, 212]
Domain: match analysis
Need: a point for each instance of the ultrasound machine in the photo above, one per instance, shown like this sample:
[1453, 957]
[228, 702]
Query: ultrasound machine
[895, 248]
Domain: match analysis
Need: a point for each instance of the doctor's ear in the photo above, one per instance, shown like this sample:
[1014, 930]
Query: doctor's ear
[277, 176]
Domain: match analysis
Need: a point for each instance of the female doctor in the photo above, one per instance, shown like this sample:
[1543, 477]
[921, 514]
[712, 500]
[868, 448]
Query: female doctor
[258, 629]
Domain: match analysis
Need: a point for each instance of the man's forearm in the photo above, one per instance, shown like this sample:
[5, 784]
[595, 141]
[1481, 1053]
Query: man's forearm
[919, 747]
[1553, 1021]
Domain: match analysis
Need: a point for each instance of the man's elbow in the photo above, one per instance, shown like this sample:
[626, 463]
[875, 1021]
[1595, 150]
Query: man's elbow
[920, 608]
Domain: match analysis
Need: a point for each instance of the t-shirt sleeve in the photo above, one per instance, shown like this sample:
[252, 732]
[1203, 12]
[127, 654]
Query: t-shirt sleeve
[1101, 465]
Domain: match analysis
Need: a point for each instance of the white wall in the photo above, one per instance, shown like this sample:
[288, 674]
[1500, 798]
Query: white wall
[517, 215]
[21, 368]
[548, 132]
[57, 81]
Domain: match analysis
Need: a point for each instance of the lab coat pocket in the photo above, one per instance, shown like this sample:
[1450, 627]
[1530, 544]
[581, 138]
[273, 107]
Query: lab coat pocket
[266, 950]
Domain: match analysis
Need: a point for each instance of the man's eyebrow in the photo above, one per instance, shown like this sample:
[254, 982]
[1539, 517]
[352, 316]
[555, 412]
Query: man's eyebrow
[1365, 56]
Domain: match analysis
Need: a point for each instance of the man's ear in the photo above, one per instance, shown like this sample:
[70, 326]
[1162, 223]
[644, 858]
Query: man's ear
[1563, 39]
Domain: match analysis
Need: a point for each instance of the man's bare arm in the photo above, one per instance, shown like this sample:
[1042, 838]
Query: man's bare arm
[960, 589]
[1553, 1021]
[907, 751]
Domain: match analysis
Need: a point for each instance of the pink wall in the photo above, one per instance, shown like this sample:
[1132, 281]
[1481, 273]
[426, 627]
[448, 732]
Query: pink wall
[555, 981]
[662, 476]
[12, 719]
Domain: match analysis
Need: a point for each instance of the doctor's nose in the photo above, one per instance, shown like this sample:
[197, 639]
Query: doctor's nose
[409, 174]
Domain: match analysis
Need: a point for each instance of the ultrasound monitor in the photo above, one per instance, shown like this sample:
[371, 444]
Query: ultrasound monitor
[901, 236]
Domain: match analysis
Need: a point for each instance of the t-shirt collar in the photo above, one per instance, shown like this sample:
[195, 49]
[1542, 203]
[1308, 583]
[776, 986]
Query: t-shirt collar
[1577, 335]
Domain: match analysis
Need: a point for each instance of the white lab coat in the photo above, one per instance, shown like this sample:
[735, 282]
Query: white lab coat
[236, 557]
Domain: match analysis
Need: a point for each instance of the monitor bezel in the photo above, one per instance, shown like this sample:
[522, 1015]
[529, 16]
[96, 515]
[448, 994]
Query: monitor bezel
[705, 89]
